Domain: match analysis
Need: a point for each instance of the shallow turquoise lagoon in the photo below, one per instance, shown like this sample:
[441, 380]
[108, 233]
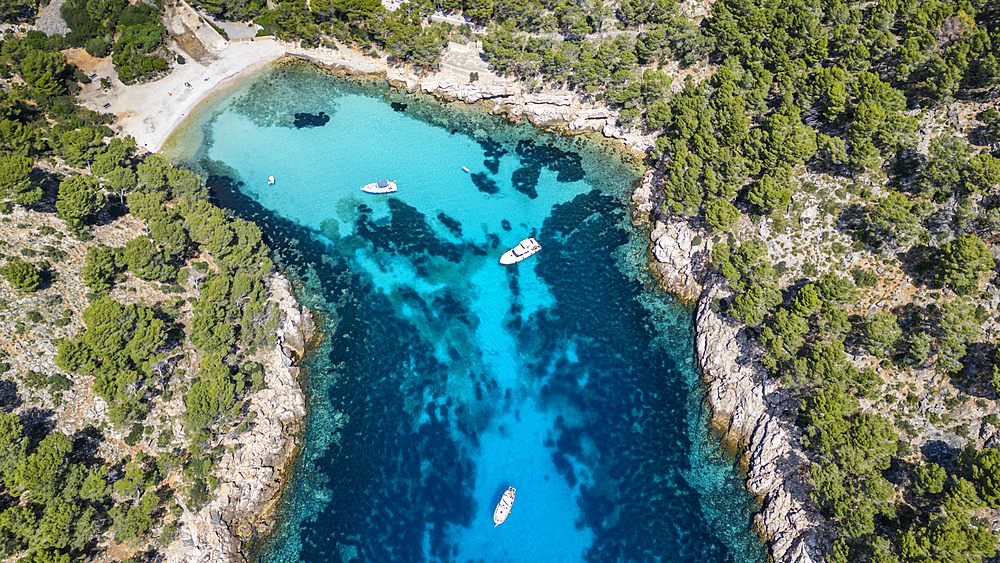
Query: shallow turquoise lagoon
[443, 377]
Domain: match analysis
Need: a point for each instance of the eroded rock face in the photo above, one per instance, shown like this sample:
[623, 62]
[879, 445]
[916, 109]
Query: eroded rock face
[754, 411]
[547, 108]
[252, 468]
[680, 262]
[750, 408]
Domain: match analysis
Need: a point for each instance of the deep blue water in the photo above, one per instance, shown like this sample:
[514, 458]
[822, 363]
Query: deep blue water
[443, 377]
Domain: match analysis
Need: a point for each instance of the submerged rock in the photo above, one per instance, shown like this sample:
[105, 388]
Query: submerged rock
[304, 119]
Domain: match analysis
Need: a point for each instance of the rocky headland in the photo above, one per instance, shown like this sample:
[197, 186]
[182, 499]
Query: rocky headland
[750, 408]
[252, 471]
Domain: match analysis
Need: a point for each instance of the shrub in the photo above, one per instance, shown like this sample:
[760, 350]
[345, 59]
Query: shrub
[22, 275]
[864, 278]
[170, 531]
[34, 379]
[59, 383]
[134, 436]
[166, 436]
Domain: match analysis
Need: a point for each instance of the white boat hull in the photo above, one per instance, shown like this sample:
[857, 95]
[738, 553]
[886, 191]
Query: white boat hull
[503, 507]
[379, 187]
[524, 249]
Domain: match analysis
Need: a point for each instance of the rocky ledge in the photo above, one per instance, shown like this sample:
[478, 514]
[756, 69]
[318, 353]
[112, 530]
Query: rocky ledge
[546, 108]
[557, 108]
[748, 406]
[252, 470]
[682, 255]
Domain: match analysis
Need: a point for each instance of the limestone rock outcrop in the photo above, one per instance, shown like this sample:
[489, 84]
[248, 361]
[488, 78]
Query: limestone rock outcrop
[679, 262]
[682, 254]
[250, 473]
[751, 409]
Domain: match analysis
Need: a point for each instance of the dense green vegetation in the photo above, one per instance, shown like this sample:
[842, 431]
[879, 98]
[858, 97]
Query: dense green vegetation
[131, 33]
[794, 88]
[57, 498]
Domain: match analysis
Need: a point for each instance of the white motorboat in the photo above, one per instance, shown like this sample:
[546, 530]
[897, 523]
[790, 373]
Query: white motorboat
[502, 510]
[270, 180]
[524, 249]
[380, 187]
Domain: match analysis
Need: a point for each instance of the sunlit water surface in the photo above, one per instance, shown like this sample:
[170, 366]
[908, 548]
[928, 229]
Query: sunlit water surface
[444, 377]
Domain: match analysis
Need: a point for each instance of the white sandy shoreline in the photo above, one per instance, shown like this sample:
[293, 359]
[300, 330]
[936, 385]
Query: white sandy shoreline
[150, 112]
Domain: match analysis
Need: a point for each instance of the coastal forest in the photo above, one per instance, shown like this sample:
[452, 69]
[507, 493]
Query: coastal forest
[841, 161]
[150, 297]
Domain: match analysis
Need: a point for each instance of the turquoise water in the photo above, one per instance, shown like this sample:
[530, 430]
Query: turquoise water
[443, 377]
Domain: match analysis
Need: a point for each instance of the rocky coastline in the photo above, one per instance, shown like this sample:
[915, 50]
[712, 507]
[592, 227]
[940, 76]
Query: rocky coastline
[546, 108]
[253, 469]
[753, 412]
[745, 405]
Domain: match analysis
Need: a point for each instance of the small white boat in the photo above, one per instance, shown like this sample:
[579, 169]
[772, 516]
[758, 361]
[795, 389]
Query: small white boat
[524, 249]
[270, 180]
[380, 187]
[503, 507]
[464, 168]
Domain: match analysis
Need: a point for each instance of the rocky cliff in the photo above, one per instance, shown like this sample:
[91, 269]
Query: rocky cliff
[750, 408]
[252, 470]
[545, 108]
[548, 108]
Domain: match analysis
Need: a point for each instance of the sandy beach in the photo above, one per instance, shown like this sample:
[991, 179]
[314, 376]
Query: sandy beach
[151, 111]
